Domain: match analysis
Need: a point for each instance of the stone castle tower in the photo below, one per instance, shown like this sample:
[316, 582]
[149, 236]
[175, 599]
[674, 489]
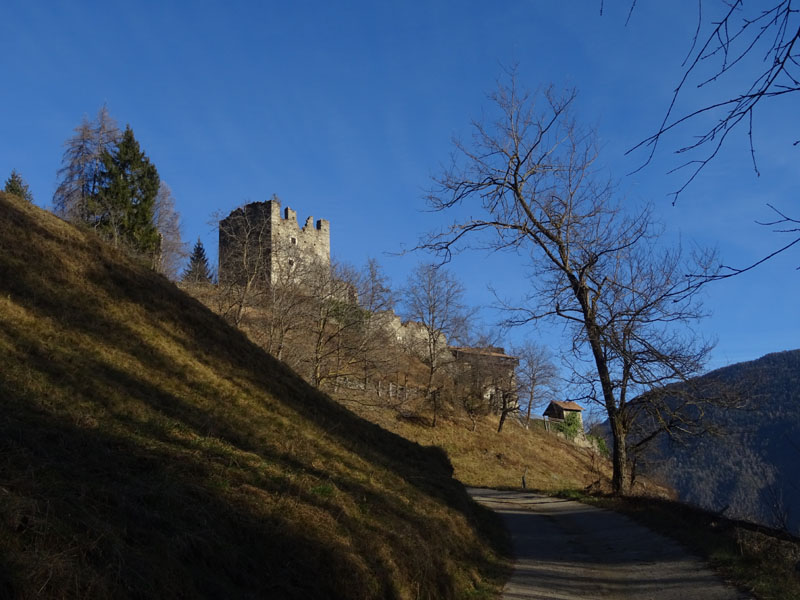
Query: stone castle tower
[256, 242]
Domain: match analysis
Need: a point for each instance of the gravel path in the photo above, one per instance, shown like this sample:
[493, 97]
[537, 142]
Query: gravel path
[566, 550]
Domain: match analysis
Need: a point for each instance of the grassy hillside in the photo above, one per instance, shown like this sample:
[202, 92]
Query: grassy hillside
[149, 450]
[480, 455]
[485, 458]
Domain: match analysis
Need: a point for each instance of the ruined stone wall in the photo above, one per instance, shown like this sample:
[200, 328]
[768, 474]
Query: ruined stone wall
[257, 238]
[291, 243]
[244, 244]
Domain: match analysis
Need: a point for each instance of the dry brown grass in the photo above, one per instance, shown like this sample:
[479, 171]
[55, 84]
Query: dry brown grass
[149, 450]
[482, 457]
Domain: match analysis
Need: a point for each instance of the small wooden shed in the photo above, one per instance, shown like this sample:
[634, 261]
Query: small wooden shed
[559, 409]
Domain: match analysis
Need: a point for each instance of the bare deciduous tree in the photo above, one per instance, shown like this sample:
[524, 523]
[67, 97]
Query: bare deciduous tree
[285, 306]
[760, 41]
[529, 176]
[332, 319]
[79, 176]
[244, 255]
[535, 375]
[300, 309]
[434, 299]
[374, 341]
[172, 252]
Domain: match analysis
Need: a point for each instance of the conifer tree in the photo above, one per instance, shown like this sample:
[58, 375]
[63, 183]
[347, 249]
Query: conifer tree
[16, 185]
[198, 270]
[122, 209]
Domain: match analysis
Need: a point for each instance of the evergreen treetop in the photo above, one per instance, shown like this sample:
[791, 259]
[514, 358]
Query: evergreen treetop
[197, 271]
[122, 209]
[16, 185]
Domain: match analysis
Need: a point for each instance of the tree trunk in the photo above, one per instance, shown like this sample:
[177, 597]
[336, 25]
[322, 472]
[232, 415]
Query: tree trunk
[619, 481]
[502, 420]
[503, 411]
[530, 405]
[431, 393]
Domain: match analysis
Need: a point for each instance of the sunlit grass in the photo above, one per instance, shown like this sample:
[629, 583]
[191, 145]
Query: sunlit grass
[482, 457]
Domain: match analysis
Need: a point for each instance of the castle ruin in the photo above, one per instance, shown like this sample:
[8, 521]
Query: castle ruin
[257, 243]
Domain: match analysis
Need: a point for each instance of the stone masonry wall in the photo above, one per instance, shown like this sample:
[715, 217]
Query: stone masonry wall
[290, 242]
[273, 241]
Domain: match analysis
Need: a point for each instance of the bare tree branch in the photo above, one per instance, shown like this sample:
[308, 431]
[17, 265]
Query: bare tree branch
[731, 47]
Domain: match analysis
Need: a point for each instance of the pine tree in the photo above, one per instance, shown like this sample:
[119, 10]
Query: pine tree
[197, 271]
[16, 185]
[122, 208]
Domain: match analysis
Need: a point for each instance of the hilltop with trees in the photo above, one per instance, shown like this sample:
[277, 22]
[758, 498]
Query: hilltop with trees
[107, 183]
[16, 185]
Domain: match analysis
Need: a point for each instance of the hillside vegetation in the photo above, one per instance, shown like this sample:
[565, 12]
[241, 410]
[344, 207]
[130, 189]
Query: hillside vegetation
[482, 457]
[751, 469]
[147, 449]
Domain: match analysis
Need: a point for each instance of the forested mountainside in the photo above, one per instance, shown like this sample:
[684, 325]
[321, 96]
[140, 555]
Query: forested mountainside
[149, 450]
[752, 470]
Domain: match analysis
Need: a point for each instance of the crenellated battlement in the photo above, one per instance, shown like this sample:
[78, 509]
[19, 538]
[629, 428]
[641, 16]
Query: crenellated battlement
[276, 236]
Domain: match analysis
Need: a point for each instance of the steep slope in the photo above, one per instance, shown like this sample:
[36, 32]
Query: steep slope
[482, 457]
[149, 450]
[752, 471]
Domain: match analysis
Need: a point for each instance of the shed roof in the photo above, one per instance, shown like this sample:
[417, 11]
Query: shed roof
[567, 404]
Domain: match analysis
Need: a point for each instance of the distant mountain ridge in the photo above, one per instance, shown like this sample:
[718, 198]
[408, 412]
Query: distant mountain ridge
[753, 471]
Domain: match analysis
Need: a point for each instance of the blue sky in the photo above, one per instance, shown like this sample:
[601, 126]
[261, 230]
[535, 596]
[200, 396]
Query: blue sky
[345, 110]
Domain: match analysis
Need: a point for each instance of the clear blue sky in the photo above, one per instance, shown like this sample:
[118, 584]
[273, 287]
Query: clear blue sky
[346, 109]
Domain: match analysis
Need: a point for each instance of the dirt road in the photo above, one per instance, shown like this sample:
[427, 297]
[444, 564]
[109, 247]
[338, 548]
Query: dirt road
[566, 550]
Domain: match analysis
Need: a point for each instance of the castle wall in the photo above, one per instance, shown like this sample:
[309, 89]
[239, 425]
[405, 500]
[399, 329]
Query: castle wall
[291, 243]
[244, 244]
[259, 238]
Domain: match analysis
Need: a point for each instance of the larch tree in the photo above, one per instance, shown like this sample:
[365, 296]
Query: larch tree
[16, 185]
[79, 175]
[530, 180]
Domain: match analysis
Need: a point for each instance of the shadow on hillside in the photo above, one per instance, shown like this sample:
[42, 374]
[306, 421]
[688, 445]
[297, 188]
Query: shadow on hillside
[45, 287]
[118, 494]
